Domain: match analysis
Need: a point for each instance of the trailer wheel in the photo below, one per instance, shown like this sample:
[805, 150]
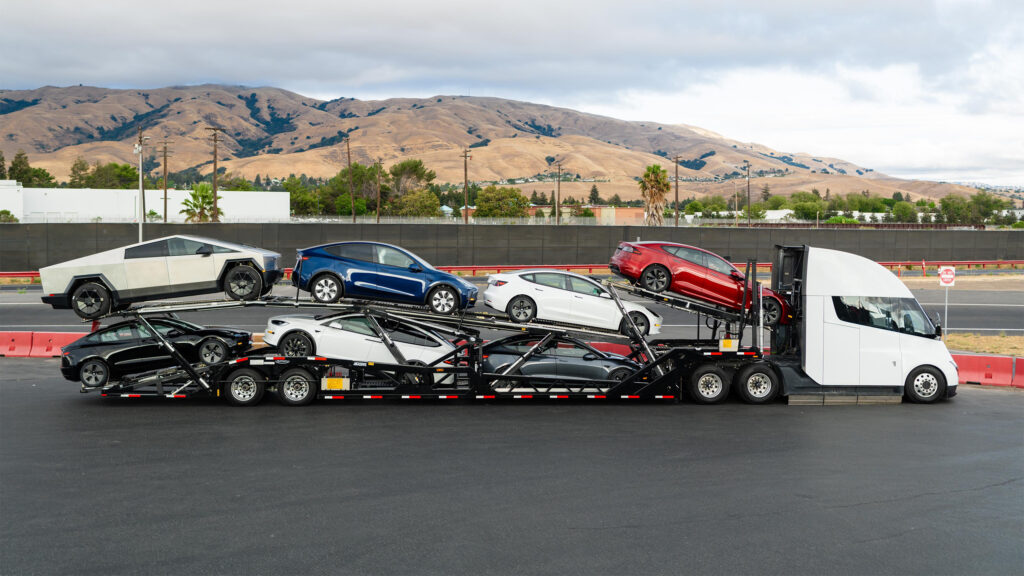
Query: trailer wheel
[708, 384]
[297, 387]
[757, 384]
[924, 385]
[244, 387]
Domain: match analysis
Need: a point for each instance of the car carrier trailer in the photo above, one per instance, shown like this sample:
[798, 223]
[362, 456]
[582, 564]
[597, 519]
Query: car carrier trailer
[703, 369]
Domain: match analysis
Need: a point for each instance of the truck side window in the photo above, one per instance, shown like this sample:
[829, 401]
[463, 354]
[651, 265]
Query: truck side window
[896, 314]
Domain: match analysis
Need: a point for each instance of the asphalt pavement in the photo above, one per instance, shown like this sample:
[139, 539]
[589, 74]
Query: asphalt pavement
[93, 486]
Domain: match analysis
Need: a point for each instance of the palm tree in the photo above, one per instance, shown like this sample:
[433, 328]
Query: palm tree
[198, 207]
[653, 188]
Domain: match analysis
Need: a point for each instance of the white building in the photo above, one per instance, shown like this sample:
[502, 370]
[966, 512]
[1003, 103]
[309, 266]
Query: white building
[90, 205]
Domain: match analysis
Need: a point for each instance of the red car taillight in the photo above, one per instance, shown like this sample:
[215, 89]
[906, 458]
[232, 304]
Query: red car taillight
[499, 283]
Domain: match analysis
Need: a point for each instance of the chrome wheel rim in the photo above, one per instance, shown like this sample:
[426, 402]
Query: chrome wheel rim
[772, 311]
[93, 374]
[522, 310]
[296, 346]
[212, 352]
[241, 284]
[295, 388]
[325, 290]
[243, 388]
[656, 280]
[709, 385]
[89, 302]
[759, 385]
[926, 385]
[443, 301]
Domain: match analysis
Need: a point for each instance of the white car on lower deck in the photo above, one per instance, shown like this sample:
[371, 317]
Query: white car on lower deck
[350, 336]
[563, 297]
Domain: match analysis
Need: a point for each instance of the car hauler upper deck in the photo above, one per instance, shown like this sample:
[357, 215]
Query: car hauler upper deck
[855, 331]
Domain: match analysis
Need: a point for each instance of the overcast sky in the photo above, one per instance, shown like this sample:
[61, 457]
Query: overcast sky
[927, 89]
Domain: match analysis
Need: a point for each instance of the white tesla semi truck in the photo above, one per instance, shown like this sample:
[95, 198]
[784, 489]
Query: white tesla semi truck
[857, 330]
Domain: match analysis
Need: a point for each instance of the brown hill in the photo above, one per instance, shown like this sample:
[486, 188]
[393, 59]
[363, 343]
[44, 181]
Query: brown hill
[268, 131]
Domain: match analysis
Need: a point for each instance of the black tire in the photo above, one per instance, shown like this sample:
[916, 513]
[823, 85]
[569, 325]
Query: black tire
[94, 373]
[296, 345]
[641, 321]
[212, 351]
[443, 299]
[619, 374]
[772, 311]
[656, 278]
[244, 387]
[326, 289]
[297, 387]
[708, 384]
[925, 385]
[757, 384]
[521, 309]
[91, 300]
[243, 283]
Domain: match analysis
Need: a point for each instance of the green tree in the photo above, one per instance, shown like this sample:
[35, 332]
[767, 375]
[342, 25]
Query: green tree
[534, 199]
[79, 173]
[954, 209]
[343, 204]
[615, 200]
[409, 175]
[766, 193]
[493, 202]
[7, 217]
[3, 166]
[756, 211]
[715, 203]
[653, 188]
[808, 210]
[417, 203]
[904, 212]
[595, 196]
[42, 179]
[232, 182]
[694, 207]
[983, 205]
[20, 170]
[777, 203]
[198, 207]
[113, 175]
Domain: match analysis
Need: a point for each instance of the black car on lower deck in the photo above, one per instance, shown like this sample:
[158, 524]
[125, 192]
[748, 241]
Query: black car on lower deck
[130, 348]
[562, 357]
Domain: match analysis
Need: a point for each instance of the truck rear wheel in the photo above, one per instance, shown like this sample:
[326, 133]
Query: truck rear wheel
[757, 384]
[708, 384]
[244, 387]
[297, 387]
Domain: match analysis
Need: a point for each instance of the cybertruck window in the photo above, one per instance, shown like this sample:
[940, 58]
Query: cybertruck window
[149, 250]
[894, 314]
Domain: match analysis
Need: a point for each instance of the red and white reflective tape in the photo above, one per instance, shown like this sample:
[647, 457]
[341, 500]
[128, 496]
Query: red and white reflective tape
[237, 360]
[524, 396]
[559, 396]
[712, 353]
[409, 397]
[596, 396]
[373, 397]
[334, 397]
[449, 397]
[485, 397]
[665, 397]
[131, 395]
[629, 396]
[177, 396]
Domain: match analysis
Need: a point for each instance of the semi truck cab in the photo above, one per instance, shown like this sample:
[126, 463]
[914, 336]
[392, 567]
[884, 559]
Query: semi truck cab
[857, 330]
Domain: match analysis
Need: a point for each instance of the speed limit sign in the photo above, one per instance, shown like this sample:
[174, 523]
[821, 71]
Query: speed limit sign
[947, 275]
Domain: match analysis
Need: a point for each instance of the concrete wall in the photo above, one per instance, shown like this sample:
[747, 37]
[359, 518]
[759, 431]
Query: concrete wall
[32, 246]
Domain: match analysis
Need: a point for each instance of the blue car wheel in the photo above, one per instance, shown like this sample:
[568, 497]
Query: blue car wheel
[443, 300]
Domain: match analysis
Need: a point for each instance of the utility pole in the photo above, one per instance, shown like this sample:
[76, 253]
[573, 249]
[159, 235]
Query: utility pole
[139, 145]
[216, 139]
[380, 167]
[465, 185]
[675, 160]
[164, 144]
[351, 188]
[746, 164]
[558, 196]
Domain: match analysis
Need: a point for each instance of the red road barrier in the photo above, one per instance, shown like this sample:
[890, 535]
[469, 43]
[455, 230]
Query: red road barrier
[621, 349]
[48, 344]
[19, 274]
[1018, 373]
[15, 343]
[985, 370]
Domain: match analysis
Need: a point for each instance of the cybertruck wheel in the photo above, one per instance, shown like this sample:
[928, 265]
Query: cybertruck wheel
[91, 300]
[243, 283]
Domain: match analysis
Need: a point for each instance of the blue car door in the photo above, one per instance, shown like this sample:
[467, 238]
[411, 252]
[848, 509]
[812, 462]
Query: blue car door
[399, 277]
[357, 267]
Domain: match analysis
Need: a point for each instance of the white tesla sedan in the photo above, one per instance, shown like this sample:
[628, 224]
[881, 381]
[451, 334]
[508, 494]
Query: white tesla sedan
[163, 268]
[350, 336]
[563, 297]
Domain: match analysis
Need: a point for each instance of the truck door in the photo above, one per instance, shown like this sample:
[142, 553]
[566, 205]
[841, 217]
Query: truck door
[880, 356]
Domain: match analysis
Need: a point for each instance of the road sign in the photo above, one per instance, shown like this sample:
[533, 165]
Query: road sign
[947, 275]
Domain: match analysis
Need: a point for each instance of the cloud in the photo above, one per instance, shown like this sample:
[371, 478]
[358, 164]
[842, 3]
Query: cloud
[855, 64]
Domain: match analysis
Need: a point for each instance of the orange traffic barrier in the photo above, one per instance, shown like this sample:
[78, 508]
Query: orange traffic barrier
[15, 343]
[48, 344]
[985, 370]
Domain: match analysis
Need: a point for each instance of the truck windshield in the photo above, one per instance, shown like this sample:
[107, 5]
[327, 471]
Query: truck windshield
[896, 314]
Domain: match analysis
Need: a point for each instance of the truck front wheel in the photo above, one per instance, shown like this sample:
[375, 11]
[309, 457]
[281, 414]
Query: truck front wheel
[925, 385]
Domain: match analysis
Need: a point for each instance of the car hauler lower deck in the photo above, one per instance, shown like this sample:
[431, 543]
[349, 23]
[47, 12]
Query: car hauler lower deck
[855, 331]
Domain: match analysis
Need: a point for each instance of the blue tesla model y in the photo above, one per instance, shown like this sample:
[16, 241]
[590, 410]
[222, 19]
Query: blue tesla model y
[377, 271]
